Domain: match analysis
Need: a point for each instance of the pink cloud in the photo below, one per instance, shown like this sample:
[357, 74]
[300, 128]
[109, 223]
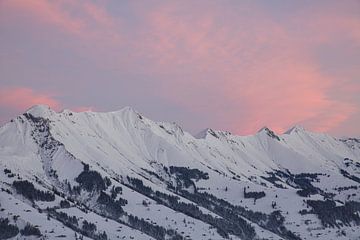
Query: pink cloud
[99, 15]
[22, 98]
[47, 12]
[242, 66]
[262, 69]
[87, 21]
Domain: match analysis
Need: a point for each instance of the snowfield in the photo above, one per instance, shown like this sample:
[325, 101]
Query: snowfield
[119, 175]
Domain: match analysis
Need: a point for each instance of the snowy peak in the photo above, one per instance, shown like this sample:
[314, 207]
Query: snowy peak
[45, 111]
[269, 133]
[41, 111]
[127, 114]
[127, 111]
[295, 129]
[208, 132]
[264, 129]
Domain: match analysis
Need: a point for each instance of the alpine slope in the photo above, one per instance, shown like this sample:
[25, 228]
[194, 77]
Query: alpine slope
[120, 175]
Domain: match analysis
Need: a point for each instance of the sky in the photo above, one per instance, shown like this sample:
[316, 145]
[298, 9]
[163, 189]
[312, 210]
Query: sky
[228, 65]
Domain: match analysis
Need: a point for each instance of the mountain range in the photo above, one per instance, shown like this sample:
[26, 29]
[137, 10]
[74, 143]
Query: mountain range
[120, 175]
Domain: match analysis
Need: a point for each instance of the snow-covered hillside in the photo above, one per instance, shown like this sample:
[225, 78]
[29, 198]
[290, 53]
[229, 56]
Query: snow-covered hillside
[119, 175]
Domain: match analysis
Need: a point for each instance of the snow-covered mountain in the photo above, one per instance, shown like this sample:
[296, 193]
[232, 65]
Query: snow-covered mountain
[119, 175]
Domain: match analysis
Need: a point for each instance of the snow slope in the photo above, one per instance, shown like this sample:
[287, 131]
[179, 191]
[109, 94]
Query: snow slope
[50, 150]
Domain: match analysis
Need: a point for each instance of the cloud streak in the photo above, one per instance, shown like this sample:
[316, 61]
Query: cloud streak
[21, 98]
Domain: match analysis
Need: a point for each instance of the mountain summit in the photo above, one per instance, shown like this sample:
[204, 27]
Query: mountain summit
[120, 175]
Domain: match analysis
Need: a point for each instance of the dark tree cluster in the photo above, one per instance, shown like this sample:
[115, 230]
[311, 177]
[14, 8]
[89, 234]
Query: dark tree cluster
[66, 219]
[330, 215]
[138, 184]
[340, 189]
[101, 236]
[349, 162]
[155, 231]
[112, 208]
[231, 213]
[254, 195]
[307, 192]
[92, 181]
[9, 173]
[7, 230]
[186, 176]
[276, 223]
[349, 176]
[273, 178]
[6, 190]
[229, 224]
[64, 204]
[302, 181]
[275, 219]
[115, 191]
[189, 173]
[28, 190]
[30, 230]
[88, 229]
[110, 205]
